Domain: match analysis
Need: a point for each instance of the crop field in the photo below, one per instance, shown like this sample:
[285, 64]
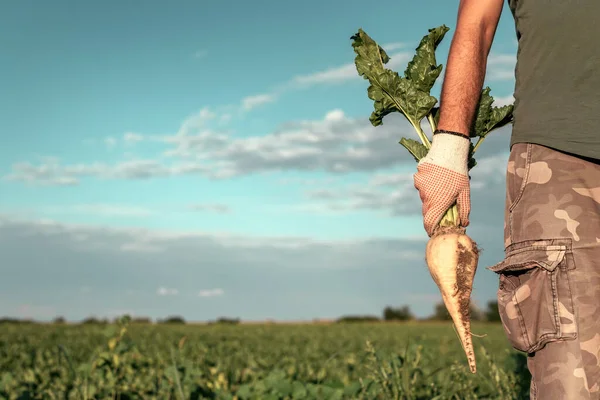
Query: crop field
[311, 361]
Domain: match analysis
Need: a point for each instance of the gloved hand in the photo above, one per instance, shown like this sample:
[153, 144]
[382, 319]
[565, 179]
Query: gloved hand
[442, 179]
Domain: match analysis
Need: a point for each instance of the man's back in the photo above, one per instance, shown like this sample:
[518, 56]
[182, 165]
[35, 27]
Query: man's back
[557, 91]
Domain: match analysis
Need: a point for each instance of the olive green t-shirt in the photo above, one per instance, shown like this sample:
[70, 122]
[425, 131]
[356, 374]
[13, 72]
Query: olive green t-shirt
[557, 88]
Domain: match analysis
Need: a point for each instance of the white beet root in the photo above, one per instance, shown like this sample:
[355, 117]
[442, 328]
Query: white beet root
[452, 259]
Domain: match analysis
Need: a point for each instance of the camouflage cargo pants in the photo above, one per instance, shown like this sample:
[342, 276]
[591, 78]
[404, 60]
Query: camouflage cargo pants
[549, 280]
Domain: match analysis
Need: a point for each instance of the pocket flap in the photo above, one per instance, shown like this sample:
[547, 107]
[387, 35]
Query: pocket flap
[547, 257]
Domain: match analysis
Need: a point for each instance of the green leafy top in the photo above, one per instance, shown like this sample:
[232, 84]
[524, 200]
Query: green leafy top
[489, 118]
[422, 69]
[410, 95]
[389, 91]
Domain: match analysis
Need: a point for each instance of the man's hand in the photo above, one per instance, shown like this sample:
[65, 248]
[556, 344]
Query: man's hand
[442, 179]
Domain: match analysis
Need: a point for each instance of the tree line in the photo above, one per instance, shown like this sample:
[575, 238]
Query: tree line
[403, 313]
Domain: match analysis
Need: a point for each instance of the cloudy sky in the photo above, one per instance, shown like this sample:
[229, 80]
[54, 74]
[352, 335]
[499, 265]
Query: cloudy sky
[209, 160]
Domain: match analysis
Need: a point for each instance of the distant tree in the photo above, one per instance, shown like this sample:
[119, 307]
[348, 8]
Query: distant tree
[440, 313]
[94, 320]
[8, 320]
[125, 318]
[228, 321]
[357, 318]
[492, 313]
[397, 314]
[173, 320]
[59, 320]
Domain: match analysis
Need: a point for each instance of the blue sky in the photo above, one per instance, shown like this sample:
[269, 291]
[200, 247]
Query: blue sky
[215, 160]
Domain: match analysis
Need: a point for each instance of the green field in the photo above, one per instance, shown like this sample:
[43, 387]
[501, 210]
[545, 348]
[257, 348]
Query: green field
[327, 361]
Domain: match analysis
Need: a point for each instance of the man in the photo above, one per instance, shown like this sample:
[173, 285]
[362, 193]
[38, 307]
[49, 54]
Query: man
[549, 280]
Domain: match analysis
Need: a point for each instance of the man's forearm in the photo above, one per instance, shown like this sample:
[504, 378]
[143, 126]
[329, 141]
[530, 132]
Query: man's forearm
[463, 80]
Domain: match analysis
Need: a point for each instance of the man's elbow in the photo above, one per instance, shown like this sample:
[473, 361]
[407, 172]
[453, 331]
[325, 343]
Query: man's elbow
[478, 20]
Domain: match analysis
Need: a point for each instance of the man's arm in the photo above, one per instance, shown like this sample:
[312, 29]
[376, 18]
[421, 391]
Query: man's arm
[465, 70]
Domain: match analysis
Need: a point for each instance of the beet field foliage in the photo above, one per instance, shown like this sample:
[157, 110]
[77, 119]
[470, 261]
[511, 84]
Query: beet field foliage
[364, 360]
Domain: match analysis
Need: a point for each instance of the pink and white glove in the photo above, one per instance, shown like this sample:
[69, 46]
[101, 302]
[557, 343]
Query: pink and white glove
[442, 179]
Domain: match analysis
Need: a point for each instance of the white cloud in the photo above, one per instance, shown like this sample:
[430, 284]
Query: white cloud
[50, 173]
[501, 67]
[163, 291]
[130, 137]
[393, 46]
[336, 144]
[59, 175]
[251, 102]
[502, 59]
[211, 292]
[504, 100]
[193, 123]
[333, 75]
[346, 72]
[336, 74]
[304, 277]
[113, 238]
[395, 194]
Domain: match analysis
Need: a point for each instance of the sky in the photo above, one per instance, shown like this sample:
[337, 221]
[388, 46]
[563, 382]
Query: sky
[215, 159]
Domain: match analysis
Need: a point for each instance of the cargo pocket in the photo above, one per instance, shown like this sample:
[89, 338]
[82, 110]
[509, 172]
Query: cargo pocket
[534, 293]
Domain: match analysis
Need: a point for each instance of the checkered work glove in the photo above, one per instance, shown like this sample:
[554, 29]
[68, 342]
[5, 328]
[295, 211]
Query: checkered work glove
[442, 179]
